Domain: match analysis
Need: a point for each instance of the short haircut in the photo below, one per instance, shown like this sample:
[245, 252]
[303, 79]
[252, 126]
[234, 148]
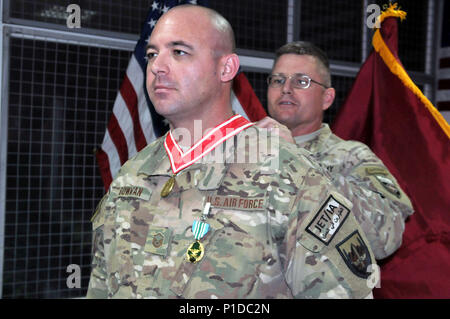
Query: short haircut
[308, 48]
[220, 24]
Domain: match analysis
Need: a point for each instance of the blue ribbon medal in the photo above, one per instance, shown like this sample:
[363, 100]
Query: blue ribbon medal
[199, 229]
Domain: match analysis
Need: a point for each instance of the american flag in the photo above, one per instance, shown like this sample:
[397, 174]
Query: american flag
[443, 87]
[134, 122]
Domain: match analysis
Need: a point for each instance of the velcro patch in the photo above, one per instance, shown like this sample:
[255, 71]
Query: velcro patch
[328, 220]
[376, 171]
[356, 255]
[158, 239]
[135, 192]
[389, 185]
[382, 180]
[235, 202]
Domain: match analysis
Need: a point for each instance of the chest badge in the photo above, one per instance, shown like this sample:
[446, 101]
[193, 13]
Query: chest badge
[200, 228]
[158, 240]
[356, 255]
[168, 186]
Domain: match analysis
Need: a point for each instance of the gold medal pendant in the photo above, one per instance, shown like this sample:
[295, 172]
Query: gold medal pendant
[168, 186]
[195, 252]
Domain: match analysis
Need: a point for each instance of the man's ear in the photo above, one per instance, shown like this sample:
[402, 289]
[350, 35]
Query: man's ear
[328, 98]
[230, 67]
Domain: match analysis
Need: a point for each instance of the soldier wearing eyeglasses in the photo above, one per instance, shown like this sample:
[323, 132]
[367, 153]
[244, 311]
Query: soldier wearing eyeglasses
[299, 91]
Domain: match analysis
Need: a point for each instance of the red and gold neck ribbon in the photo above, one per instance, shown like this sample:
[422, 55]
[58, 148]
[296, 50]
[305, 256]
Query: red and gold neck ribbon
[180, 160]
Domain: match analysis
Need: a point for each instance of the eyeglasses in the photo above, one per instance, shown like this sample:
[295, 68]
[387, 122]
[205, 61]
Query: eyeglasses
[298, 80]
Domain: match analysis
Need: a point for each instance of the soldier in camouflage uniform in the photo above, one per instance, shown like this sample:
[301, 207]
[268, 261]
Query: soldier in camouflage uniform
[277, 226]
[379, 204]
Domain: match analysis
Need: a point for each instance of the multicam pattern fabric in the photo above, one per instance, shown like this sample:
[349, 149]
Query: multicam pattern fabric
[257, 245]
[379, 204]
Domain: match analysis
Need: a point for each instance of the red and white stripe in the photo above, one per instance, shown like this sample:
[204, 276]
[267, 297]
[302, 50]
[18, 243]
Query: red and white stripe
[129, 128]
[179, 160]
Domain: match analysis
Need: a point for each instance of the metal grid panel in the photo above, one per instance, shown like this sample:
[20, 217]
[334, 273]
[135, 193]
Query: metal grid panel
[259, 84]
[258, 25]
[342, 85]
[60, 101]
[335, 26]
[118, 15]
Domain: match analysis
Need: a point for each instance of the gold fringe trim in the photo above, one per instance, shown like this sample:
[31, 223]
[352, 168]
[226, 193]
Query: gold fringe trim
[392, 11]
[397, 69]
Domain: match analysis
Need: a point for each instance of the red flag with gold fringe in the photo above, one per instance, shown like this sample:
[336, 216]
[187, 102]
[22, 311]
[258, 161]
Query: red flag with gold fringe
[388, 112]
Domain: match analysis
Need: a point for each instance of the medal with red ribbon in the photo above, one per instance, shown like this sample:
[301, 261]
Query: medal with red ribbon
[180, 160]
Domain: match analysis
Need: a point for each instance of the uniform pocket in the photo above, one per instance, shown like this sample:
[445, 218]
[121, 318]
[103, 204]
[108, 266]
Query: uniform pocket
[310, 243]
[156, 249]
[236, 249]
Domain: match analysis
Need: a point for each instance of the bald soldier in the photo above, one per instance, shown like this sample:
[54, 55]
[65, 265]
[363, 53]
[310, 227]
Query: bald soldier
[299, 91]
[218, 208]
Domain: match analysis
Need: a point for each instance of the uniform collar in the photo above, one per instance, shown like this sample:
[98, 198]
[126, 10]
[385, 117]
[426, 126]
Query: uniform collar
[156, 163]
[312, 141]
[215, 138]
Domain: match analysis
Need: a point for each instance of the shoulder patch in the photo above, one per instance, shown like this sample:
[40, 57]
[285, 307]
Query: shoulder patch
[381, 177]
[389, 185]
[328, 220]
[376, 171]
[356, 254]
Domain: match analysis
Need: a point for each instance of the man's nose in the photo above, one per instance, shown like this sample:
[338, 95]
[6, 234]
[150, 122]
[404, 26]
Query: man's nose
[287, 87]
[159, 64]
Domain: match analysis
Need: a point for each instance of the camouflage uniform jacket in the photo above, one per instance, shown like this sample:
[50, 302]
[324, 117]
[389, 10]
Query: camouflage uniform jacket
[379, 204]
[279, 228]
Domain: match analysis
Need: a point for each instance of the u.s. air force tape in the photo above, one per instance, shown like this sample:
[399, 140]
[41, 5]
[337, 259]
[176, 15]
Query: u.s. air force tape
[236, 202]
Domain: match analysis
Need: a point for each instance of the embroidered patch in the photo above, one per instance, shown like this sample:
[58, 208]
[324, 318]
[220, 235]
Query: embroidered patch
[328, 220]
[355, 253]
[381, 175]
[135, 192]
[158, 240]
[389, 185]
[235, 202]
[376, 171]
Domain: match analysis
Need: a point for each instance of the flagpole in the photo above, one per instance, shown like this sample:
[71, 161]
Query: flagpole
[439, 13]
[429, 48]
